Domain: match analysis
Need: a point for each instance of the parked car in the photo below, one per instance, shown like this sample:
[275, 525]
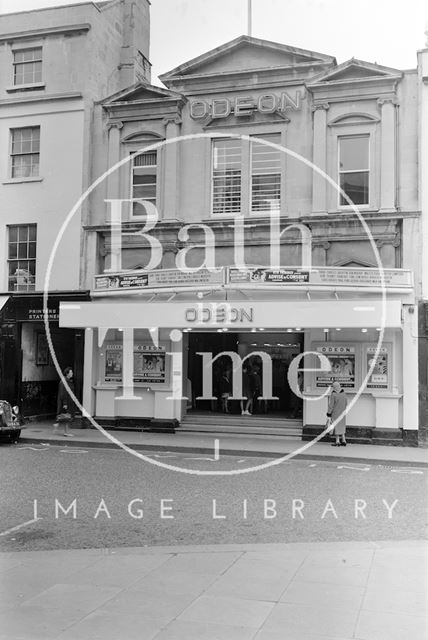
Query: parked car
[10, 423]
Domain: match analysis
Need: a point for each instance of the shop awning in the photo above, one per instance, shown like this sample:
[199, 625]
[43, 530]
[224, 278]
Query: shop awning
[3, 301]
[364, 313]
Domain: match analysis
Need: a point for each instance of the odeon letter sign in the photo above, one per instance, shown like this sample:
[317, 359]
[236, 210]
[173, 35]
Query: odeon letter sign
[246, 105]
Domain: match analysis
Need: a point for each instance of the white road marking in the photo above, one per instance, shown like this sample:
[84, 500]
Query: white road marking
[19, 526]
[344, 466]
[193, 458]
[34, 448]
[312, 465]
[411, 471]
[73, 451]
[161, 455]
[216, 449]
[240, 461]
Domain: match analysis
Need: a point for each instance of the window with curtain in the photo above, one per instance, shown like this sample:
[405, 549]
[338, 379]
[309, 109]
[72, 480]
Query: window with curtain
[25, 152]
[22, 242]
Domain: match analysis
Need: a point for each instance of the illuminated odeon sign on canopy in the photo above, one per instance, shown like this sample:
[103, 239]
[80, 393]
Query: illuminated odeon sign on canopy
[240, 106]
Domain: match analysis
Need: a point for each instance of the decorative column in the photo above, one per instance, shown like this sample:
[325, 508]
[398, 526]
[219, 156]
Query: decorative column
[170, 172]
[319, 158]
[90, 357]
[410, 370]
[113, 157]
[388, 153]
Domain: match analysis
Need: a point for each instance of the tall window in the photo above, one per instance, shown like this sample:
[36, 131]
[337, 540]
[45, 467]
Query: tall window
[354, 169]
[144, 178]
[246, 176]
[27, 66]
[22, 257]
[226, 186]
[25, 152]
[265, 175]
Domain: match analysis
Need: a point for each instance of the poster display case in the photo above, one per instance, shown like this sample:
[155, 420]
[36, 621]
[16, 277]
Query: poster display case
[350, 363]
[150, 363]
[342, 366]
[381, 376]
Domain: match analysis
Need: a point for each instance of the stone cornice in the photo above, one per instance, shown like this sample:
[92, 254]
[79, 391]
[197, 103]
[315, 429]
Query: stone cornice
[71, 95]
[263, 223]
[352, 82]
[42, 33]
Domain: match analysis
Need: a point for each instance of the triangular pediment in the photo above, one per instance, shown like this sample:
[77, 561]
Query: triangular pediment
[357, 70]
[244, 55]
[141, 92]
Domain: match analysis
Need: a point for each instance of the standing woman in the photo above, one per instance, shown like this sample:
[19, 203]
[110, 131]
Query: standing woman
[65, 403]
[337, 403]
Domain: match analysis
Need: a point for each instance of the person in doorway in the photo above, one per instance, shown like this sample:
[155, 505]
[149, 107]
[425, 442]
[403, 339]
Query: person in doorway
[247, 403]
[225, 389]
[65, 404]
[337, 403]
[256, 386]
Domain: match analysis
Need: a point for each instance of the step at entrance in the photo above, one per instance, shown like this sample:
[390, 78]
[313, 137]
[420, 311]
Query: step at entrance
[238, 424]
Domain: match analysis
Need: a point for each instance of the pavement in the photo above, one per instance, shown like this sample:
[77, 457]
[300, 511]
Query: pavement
[300, 591]
[190, 442]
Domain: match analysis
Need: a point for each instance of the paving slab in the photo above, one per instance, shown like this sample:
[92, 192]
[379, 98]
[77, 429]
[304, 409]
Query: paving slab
[229, 611]
[101, 625]
[304, 619]
[297, 591]
[376, 625]
[182, 630]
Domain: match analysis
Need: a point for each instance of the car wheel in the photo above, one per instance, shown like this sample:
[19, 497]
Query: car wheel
[15, 436]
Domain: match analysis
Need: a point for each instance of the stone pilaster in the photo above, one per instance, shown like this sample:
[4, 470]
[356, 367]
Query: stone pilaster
[319, 158]
[113, 157]
[319, 253]
[388, 152]
[171, 178]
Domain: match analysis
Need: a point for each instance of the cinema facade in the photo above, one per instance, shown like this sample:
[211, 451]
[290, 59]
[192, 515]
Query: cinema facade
[252, 251]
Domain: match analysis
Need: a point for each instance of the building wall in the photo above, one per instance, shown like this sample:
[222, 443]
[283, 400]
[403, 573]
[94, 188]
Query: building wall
[47, 200]
[423, 182]
[110, 36]
[88, 51]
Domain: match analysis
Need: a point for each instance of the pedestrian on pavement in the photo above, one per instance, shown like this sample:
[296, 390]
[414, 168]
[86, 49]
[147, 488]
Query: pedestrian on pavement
[247, 403]
[225, 389]
[65, 413]
[337, 403]
[256, 386]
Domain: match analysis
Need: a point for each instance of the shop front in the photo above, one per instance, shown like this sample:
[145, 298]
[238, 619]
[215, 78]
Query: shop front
[29, 377]
[155, 353]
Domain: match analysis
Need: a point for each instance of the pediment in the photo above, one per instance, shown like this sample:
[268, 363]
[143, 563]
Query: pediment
[246, 54]
[141, 92]
[354, 264]
[357, 70]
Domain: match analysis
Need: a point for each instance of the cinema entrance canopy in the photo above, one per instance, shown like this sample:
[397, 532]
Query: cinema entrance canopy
[254, 297]
[329, 310]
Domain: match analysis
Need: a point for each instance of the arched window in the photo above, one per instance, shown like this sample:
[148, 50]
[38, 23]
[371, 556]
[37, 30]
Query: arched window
[144, 180]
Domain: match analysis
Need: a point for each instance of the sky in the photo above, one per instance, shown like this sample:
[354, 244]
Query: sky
[388, 32]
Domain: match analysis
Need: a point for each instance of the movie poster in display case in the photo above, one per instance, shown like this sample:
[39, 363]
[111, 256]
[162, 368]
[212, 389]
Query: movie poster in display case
[381, 375]
[149, 363]
[342, 365]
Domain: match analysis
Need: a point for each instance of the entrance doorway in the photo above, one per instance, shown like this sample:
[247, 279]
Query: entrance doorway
[281, 347]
